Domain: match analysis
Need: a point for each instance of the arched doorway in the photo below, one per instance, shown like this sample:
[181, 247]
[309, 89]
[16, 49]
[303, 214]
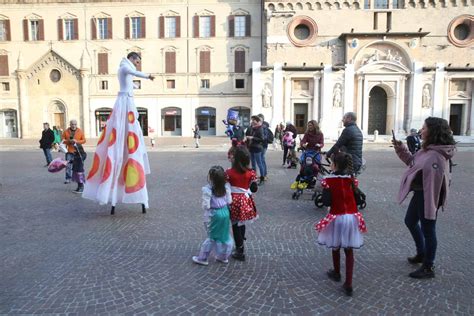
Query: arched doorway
[244, 115]
[206, 120]
[171, 122]
[8, 124]
[57, 112]
[143, 120]
[377, 111]
[101, 116]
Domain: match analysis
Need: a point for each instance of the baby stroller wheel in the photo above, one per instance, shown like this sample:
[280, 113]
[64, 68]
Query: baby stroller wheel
[363, 205]
[318, 201]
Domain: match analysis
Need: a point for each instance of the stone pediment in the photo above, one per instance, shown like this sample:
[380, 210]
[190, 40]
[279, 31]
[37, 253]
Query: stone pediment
[384, 67]
[51, 59]
[170, 13]
[33, 16]
[135, 14]
[383, 52]
[460, 95]
[205, 12]
[240, 11]
[67, 16]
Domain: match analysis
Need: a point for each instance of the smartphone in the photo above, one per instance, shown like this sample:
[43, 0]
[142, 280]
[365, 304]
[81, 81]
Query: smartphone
[393, 136]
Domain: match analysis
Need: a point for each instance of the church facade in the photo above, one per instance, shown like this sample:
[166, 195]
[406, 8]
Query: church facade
[392, 62]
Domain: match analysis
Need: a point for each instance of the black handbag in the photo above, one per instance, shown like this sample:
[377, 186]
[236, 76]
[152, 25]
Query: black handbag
[359, 197]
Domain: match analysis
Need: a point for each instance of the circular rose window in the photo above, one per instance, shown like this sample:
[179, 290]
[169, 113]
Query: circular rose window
[302, 31]
[461, 31]
[55, 75]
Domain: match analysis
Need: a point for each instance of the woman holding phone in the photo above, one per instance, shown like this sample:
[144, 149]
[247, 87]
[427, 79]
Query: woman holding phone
[428, 176]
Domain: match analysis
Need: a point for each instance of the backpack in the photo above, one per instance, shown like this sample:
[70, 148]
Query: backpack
[268, 135]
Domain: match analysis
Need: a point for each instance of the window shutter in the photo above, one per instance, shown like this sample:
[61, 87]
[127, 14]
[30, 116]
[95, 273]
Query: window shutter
[127, 28]
[93, 28]
[25, 30]
[143, 26]
[4, 65]
[196, 25]
[247, 26]
[205, 62]
[41, 30]
[178, 26]
[213, 25]
[231, 25]
[239, 60]
[170, 62]
[75, 25]
[162, 27]
[7, 29]
[60, 29]
[109, 28]
[103, 61]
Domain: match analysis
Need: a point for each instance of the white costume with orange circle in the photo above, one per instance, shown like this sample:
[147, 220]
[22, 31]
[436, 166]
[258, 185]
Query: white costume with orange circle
[120, 160]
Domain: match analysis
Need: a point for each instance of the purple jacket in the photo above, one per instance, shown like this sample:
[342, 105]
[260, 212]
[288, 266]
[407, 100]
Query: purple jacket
[434, 163]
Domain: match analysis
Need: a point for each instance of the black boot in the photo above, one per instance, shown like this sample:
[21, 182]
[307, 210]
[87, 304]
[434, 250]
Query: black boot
[415, 259]
[423, 272]
[262, 180]
[238, 254]
[80, 188]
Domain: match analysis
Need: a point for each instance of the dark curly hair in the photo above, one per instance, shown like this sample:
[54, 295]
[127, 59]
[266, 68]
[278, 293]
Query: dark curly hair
[439, 132]
[218, 179]
[343, 163]
[241, 159]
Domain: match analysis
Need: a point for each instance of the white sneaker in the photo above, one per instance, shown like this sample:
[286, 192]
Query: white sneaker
[222, 260]
[201, 262]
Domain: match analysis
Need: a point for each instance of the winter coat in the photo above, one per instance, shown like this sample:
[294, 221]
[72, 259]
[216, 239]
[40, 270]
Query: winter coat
[47, 139]
[433, 162]
[57, 136]
[256, 143]
[313, 139]
[350, 141]
[291, 128]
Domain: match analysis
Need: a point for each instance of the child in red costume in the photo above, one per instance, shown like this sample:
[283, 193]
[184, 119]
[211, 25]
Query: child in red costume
[343, 225]
[243, 183]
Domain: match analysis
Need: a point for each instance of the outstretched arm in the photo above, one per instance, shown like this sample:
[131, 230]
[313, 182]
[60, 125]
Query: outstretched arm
[136, 73]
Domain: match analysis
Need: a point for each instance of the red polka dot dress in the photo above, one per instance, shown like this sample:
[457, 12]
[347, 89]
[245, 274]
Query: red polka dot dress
[243, 207]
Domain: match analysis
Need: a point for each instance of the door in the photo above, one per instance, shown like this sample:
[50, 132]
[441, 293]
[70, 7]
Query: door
[59, 120]
[143, 120]
[171, 121]
[377, 111]
[455, 118]
[300, 117]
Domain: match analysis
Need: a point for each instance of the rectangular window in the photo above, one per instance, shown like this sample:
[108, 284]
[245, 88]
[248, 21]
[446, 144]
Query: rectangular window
[395, 4]
[68, 30]
[301, 85]
[376, 20]
[240, 83]
[240, 26]
[205, 62]
[170, 27]
[102, 28]
[205, 84]
[137, 84]
[5, 86]
[104, 85]
[366, 4]
[170, 84]
[204, 26]
[34, 30]
[381, 4]
[3, 30]
[136, 27]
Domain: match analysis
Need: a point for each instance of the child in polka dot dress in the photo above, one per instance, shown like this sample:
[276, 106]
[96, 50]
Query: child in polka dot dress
[343, 225]
[243, 181]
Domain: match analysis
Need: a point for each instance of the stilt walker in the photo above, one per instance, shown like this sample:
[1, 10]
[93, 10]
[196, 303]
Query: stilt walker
[120, 163]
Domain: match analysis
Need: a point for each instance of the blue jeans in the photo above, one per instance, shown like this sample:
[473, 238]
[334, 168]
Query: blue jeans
[424, 235]
[257, 160]
[69, 157]
[264, 161]
[47, 155]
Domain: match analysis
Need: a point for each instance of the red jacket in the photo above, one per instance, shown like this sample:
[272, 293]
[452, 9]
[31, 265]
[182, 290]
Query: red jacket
[339, 189]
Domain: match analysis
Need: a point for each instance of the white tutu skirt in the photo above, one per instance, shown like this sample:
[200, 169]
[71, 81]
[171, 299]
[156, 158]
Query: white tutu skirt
[342, 232]
[120, 163]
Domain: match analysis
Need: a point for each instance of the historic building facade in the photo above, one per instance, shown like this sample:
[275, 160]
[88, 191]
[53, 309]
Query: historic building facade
[59, 60]
[394, 63]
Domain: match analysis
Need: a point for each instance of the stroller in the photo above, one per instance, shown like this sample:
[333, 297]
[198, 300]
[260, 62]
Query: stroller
[311, 171]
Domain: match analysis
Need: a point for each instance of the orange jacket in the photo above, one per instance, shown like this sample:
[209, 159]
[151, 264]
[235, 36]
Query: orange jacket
[78, 137]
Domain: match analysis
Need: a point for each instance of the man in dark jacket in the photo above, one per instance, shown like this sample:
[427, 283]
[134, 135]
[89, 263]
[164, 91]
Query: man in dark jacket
[413, 141]
[46, 142]
[265, 129]
[254, 137]
[350, 141]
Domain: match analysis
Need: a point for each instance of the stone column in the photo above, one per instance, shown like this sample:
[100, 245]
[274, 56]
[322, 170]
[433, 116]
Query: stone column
[287, 104]
[315, 111]
[277, 93]
[416, 88]
[349, 88]
[24, 128]
[438, 90]
[401, 106]
[470, 126]
[257, 88]
[360, 93]
[365, 108]
[326, 102]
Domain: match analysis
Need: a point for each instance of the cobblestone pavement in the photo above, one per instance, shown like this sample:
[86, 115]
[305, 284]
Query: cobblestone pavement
[62, 254]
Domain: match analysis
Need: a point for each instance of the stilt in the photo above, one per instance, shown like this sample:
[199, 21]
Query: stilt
[143, 209]
[112, 211]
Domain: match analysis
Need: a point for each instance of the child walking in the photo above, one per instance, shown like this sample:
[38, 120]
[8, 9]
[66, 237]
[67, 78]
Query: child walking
[343, 225]
[216, 197]
[243, 181]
